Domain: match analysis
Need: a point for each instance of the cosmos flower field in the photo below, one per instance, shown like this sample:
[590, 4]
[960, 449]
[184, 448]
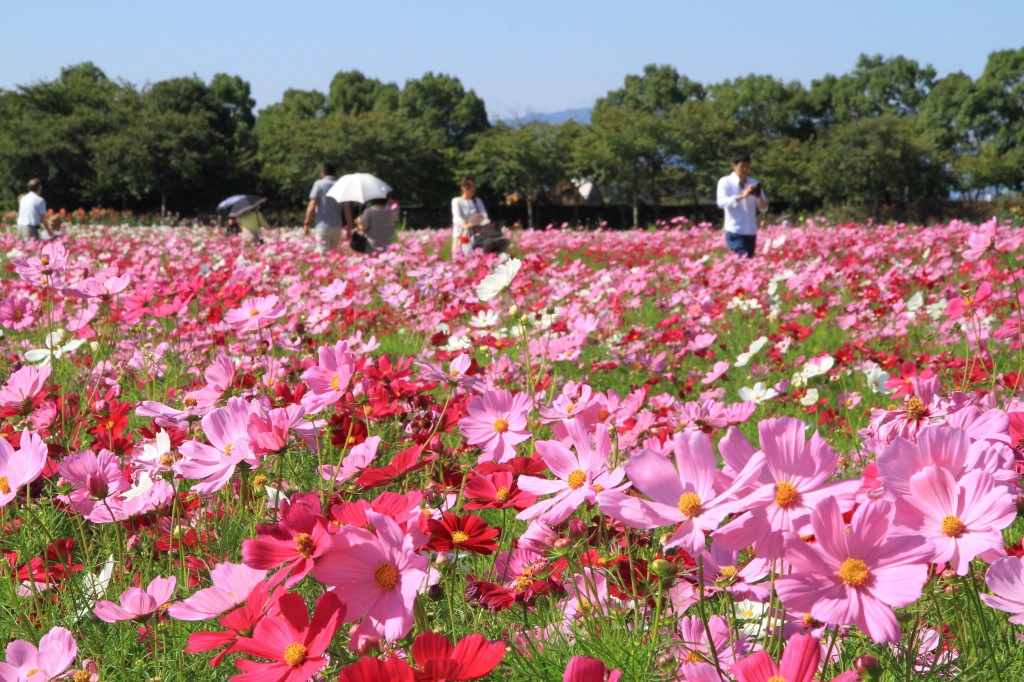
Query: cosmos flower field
[610, 456]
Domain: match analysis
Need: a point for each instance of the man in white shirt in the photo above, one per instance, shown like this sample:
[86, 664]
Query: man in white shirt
[31, 210]
[741, 197]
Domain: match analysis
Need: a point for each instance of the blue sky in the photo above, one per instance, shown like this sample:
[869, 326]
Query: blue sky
[522, 57]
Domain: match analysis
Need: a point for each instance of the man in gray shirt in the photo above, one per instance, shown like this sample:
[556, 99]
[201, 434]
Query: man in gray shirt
[326, 211]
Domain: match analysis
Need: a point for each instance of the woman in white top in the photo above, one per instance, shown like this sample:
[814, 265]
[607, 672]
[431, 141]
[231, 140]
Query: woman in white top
[467, 212]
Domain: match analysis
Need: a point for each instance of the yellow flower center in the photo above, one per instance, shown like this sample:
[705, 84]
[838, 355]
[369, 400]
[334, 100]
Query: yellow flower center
[259, 480]
[500, 425]
[689, 505]
[334, 383]
[32, 672]
[953, 527]
[386, 576]
[570, 407]
[522, 583]
[5, 486]
[854, 572]
[585, 604]
[502, 495]
[914, 407]
[44, 261]
[227, 449]
[693, 657]
[602, 415]
[295, 654]
[811, 622]
[166, 459]
[81, 676]
[305, 545]
[254, 312]
[777, 678]
[576, 479]
[190, 402]
[458, 537]
[786, 494]
[728, 572]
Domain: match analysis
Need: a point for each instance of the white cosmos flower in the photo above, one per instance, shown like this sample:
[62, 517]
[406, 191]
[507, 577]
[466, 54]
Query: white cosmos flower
[457, 343]
[915, 302]
[810, 397]
[94, 586]
[759, 393]
[484, 318]
[499, 280]
[755, 346]
[877, 379]
[817, 366]
[54, 349]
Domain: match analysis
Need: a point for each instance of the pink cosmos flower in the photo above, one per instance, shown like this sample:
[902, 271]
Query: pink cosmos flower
[17, 312]
[232, 583]
[792, 482]
[378, 575]
[137, 603]
[258, 604]
[855, 576]
[97, 481]
[694, 645]
[43, 270]
[586, 669]
[24, 386]
[917, 412]
[581, 476]
[219, 377]
[104, 288]
[722, 570]
[330, 378]
[292, 644]
[360, 457]
[20, 467]
[945, 447]
[227, 430]
[683, 491]
[962, 519]
[980, 241]
[1006, 579]
[296, 544]
[56, 652]
[457, 374]
[799, 663]
[255, 313]
[496, 423]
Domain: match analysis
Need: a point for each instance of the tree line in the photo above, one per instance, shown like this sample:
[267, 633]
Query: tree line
[890, 132]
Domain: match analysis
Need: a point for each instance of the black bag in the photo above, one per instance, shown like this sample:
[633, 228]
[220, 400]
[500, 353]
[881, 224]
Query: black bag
[359, 242]
[490, 238]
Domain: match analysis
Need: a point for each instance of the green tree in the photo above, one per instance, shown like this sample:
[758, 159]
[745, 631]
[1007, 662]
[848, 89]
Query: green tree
[1001, 124]
[878, 160]
[353, 93]
[878, 86]
[441, 104]
[760, 106]
[658, 90]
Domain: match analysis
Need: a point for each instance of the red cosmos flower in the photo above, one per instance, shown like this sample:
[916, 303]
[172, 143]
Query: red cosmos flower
[469, 532]
[375, 670]
[295, 543]
[405, 461]
[292, 644]
[472, 658]
[586, 669]
[238, 623]
[497, 491]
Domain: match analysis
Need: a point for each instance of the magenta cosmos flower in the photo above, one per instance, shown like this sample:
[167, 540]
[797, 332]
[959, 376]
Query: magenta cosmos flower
[586, 669]
[297, 543]
[855, 576]
[1006, 578]
[232, 583]
[20, 467]
[683, 491]
[377, 574]
[136, 602]
[292, 644]
[799, 663]
[329, 378]
[254, 313]
[581, 475]
[792, 482]
[56, 652]
[496, 423]
[227, 430]
[962, 519]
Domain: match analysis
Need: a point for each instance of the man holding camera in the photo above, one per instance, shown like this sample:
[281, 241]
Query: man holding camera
[741, 197]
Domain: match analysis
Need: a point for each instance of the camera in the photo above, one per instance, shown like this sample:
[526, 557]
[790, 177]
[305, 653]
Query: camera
[755, 188]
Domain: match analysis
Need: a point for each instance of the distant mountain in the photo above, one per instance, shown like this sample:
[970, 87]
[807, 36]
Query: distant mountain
[581, 115]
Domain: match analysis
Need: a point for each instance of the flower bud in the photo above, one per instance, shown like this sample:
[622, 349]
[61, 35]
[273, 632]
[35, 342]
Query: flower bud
[868, 667]
[577, 529]
[562, 544]
[661, 567]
